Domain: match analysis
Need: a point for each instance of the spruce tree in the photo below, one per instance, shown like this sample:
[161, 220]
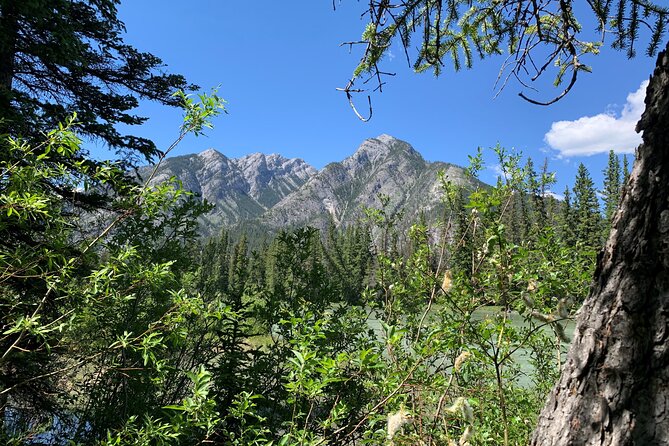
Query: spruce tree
[536, 189]
[611, 191]
[463, 240]
[238, 272]
[586, 217]
[550, 202]
[566, 219]
[60, 57]
[626, 170]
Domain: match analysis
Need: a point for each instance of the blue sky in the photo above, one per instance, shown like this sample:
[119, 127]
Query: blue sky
[278, 65]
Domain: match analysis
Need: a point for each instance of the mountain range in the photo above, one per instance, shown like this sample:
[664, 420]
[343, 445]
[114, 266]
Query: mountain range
[272, 192]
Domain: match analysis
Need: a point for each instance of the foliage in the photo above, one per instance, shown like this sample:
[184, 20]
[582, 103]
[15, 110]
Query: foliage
[587, 218]
[411, 349]
[613, 182]
[449, 335]
[537, 36]
[92, 312]
[63, 57]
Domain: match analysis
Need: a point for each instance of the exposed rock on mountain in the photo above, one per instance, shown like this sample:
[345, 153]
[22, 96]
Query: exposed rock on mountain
[272, 192]
[381, 166]
[241, 188]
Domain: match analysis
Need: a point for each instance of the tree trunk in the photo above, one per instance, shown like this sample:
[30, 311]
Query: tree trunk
[614, 388]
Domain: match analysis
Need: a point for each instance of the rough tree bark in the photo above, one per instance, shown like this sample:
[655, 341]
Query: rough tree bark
[614, 388]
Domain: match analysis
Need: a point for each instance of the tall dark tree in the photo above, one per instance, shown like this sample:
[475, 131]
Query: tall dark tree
[536, 190]
[550, 201]
[587, 219]
[611, 191]
[626, 170]
[58, 57]
[566, 219]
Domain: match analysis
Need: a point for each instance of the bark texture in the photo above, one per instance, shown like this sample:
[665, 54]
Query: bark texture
[614, 388]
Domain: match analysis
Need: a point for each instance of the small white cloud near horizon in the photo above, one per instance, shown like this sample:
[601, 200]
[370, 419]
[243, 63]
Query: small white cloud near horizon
[550, 193]
[496, 169]
[601, 133]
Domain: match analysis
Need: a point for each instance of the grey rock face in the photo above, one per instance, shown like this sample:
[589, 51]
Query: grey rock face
[241, 189]
[381, 166]
[272, 177]
[275, 192]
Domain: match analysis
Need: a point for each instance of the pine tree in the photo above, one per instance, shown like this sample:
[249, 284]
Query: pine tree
[611, 191]
[586, 217]
[462, 257]
[59, 57]
[626, 170]
[550, 202]
[566, 219]
[536, 190]
[238, 272]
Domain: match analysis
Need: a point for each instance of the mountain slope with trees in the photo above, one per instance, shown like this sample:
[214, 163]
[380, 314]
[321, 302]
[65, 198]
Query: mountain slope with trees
[241, 189]
[273, 192]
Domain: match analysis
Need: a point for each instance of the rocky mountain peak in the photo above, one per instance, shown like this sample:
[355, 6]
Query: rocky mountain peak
[272, 191]
[386, 139]
[276, 172]
[210, 153]
[380, 150]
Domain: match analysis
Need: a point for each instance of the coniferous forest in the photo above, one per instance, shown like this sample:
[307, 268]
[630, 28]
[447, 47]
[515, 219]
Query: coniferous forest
[120, 324]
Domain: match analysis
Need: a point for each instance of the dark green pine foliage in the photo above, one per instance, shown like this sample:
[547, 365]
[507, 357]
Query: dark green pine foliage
[611, 191]
[587, 219]
[348, 260]
[58, 57]
[566, 219]
[213, 264]
[536, 189]
[551, 204]
[295, 274]
[462, 257]
[238, 273]
[626, 170]
[235, 354]
[519, 220]
[226, 277]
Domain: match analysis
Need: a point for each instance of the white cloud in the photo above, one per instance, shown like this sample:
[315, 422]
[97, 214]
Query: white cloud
[550, 193]
[600, 133]
[497, 170]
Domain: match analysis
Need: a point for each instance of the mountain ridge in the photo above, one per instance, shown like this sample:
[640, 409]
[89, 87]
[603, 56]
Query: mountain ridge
[273, 192]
